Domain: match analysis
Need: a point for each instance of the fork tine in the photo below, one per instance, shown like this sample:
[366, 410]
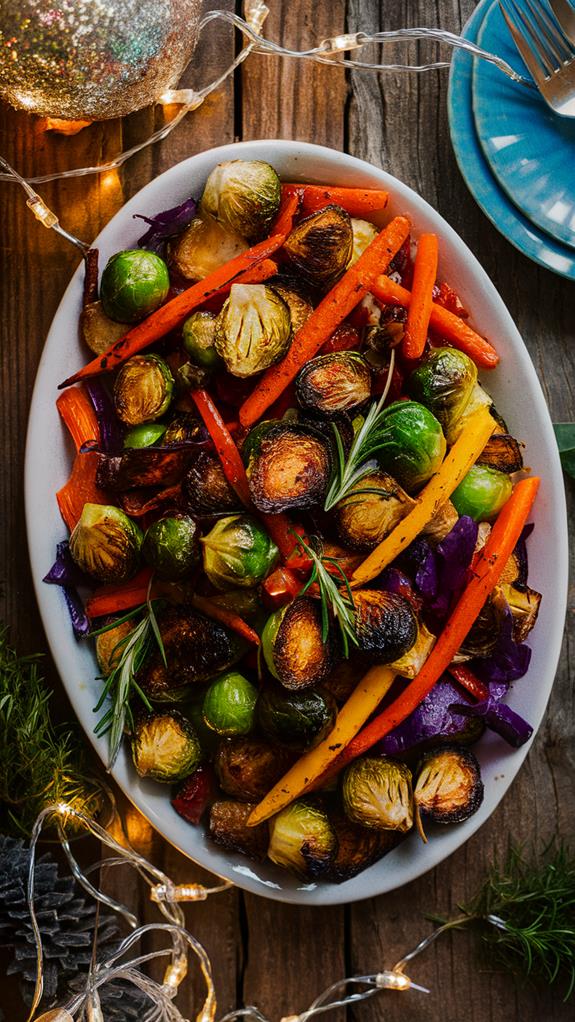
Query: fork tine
[532, 39]
[565, 15]
[522, 44]
[555, 42]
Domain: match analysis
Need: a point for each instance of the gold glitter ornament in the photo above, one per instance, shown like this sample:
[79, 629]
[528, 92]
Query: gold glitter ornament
[93, 59]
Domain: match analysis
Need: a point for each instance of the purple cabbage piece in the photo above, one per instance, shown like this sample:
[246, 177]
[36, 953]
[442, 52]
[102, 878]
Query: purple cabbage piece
[166, 225]
[440, 574]
[64, 572]
[435, 717]
[508, 661]
[111, 430]
[521, 552]
[499, 717]
[78, 616]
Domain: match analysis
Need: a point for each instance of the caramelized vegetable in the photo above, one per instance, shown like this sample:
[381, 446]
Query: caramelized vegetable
[247, 767]
[373, 507]
[302, 840]
[289, 468]
[449, 788]
[357, 847]
[320, 247]
[385, 623]
[377, 793]
[229, 828]
[293, 645]
[502, 452]
[205, 488]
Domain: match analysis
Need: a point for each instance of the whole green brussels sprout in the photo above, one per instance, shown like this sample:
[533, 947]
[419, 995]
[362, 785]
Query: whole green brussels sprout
[165, 746]
[444, 383]
[106, 543]
[298, 719]
[238, 552]
[134, 283]
[482, 493]
[244, 195]
[253, 329]
[409, 444]
[229, 705]
[143, 389]
[171, 546]
[198, 333]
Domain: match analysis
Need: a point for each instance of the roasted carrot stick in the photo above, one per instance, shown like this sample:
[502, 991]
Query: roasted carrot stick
[487, 572]
[115, 599]
[227, 451]
[256, 275]
[419, 311]
[80, 489]
[453, 328]
[330, 312]
[357, 201]
[288, 208]
[77, 413]
[226, 617]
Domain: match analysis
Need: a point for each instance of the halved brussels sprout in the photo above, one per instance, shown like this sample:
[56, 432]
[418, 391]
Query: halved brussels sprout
[363, 234]
[330, 384]
[134, 283]
[171, 546]
[288, 467]
[138, 467]
[247, 768]
[524, 606]
[203, 247]
[302, 840]
[253, 330]
[385, 623]
[411, 444]
[165, 746]
[229, 828]
[198, 333]
[143, 389]
[145, 435]
[449, 788]
[299, 308]
[244, 195]
[293, 646]
[319, 247]
[295, 719]
[238, 552]
[206, 489]
[410, 664]
[106, 543]
[109, 646]
[484, 633]
[357, 847]
[372, 508]
[229, 705]
[98, 331]
[377, 793]
[502, 452]
[482, 493]
[444, 383]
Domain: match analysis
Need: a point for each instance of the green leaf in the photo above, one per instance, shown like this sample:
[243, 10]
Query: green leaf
[565, 436]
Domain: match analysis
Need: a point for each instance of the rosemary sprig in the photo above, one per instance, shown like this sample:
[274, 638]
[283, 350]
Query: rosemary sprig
[335, 598]
[351, 469]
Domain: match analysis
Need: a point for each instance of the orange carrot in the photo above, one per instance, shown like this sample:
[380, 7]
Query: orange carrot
[288, 208]
[226, 617]
[256, 275]
[330, 312]
[424, 274]
[359, 202]
[116, 599]
[80, 489]
[494, 557]
[77, 413]
[451, 327]
[227, 451]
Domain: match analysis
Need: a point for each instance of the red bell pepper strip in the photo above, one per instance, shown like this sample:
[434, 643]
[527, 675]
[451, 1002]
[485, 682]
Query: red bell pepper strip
[227, 451]
[468, 680]
[116, 599]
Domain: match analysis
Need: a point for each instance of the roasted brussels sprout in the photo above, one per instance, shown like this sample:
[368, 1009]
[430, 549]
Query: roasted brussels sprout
[411, 444]
[377, 793]
[229, 704]
[330, 384]
[198, 333]
[184, 428]
[229, 828]
[171, 546]
[484, 633]
[134, 283]
[106, 543]
[372, 508]
[320, 247]
[357, 847]
[238, 552]
[247, 768]
[410, 664]
[289, 467]
[441, 524]
[98, 331]
[299, 308]
[143, 389]
[479, 399]
[253, 330]
[524, 606]
[244, 195]
[302, 840]
[206, 489]
[502, 452]
[136, 467]
[165, 746]
[203, 247]
[293, 645]
[449, 788]
[385, 623]
[482, 493]
[145, 435]
[298, 719]
[363, 234]
[444, 383]
[109, 646]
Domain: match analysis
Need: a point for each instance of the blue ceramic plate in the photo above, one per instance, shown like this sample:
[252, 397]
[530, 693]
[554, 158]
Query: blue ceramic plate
[530, 149]
[504, 215]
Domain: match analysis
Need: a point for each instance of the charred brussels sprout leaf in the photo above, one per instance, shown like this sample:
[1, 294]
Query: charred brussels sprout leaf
[203, 247]
[363, 234]
[357, 848]
[247, 768]
[229, 828]
[165, 747]
[302, 840]
[482, 493]
[184, 428]
[298, 719]
[289, 467]
[320, 247]
[198, 333]
[238, 552]
[98, 331]
[377, 793]
[385, 623]
[371, 510]
[244, 195]
[106, 543]
[171, 546]
[143, 389]
[293, 645]
[444, 383]
[206, 489]
[331, 384]
[109, 646]
[449, 788]
[133, 284]
[145, 435]
[502, 452]
[253, 330]
[229, 705]
[411, 444]
[299, 308]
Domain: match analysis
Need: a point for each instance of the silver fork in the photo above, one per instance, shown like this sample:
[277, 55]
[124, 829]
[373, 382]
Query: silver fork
[565, 15]
[545, 50]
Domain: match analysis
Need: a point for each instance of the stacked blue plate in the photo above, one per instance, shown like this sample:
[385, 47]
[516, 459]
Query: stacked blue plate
[515, 155]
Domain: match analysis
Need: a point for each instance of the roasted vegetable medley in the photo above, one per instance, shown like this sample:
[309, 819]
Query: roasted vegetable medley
[297, 523]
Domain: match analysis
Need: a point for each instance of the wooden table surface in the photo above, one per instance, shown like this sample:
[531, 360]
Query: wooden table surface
[275, 956]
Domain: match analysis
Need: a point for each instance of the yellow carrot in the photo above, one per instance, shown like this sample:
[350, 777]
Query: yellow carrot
[364, 699]
[455, 466]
